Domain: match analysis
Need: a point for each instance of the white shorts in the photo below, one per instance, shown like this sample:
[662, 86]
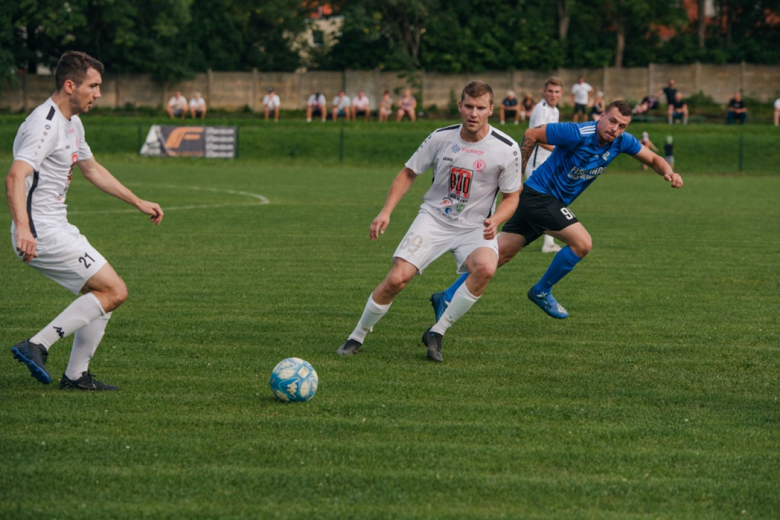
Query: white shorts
[65, 256]
[428, 238]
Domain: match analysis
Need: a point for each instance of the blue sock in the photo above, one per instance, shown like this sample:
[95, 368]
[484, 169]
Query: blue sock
[450, 292]
[562, 263]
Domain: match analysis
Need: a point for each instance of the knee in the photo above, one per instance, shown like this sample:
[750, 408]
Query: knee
[118, 294]
[483, 271]
[582, 247]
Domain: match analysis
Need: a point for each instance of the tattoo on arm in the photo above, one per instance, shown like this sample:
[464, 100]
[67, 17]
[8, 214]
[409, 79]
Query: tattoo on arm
[526, 148]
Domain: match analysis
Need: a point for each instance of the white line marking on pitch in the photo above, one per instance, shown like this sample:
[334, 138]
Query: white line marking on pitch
[259, 201]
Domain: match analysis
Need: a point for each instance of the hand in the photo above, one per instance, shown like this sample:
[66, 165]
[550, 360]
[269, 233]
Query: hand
[378, 226]
[152, 209]
[26, 244]
[491, 229]
[675, 179]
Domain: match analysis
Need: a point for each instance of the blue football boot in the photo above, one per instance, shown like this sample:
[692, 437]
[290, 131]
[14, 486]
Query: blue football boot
[439, 304]
[548, 304]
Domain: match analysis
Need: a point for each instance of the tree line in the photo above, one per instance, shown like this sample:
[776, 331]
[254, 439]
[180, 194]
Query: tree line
[176, 38]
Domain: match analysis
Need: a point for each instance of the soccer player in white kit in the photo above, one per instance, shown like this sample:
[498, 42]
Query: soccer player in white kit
[546, 111]
[471, 162]
[48, 145]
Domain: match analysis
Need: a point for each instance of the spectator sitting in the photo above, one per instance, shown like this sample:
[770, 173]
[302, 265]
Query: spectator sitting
[737, 110]
[385, 106]
[197, 106]
[678, 109]
[527, 107]
[509, 107]
[341, 106]
[648, 103]
[271, 103]
[316, 106]
[407, 106]
[598, 106]
[777, 112]
[361, 107]
[177, 106]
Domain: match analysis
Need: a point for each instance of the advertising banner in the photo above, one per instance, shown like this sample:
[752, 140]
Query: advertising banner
[211, 142]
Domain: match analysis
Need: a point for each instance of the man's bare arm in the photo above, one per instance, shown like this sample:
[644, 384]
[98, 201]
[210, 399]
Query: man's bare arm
[531, 137]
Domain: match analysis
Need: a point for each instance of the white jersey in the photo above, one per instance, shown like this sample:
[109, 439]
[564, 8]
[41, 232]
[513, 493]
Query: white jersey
[271, 101]
[542, 114]
[466, 176]
[52, 145]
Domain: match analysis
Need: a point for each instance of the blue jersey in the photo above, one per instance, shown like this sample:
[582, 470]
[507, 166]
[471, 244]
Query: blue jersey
[577, 159]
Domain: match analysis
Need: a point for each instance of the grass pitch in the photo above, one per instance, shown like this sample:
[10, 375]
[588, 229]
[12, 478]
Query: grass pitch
[657, 398]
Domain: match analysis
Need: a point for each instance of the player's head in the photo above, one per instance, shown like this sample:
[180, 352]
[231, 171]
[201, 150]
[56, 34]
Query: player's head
[553, 88]
[78, 76]
[476, 106]
[614, 121]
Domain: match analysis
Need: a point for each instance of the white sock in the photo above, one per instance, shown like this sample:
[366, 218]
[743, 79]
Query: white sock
[85, 343]
[548, 241]
[78, 315]
[461, 302]
[372, 313]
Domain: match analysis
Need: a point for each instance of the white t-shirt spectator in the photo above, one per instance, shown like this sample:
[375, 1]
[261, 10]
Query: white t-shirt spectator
[361, 103]
[317, 101]
[271, 101]
[179, 103]
[198, 104]
[341, 103]
[777, 103]
[581, 93]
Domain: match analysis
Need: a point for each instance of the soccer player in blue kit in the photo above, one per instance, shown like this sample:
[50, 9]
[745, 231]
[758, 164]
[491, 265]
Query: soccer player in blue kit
[582, 153]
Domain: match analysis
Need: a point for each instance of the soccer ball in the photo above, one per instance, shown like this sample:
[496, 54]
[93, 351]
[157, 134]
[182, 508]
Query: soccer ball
[294, 379]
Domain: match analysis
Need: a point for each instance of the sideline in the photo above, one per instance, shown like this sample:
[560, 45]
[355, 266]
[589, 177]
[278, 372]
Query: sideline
[260, 200]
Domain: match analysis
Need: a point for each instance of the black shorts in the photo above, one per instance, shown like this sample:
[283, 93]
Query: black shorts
[580, 108]
[360, 113]
[536, 213]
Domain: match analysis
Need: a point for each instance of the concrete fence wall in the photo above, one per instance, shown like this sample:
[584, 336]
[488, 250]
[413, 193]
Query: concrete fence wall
[238, 90]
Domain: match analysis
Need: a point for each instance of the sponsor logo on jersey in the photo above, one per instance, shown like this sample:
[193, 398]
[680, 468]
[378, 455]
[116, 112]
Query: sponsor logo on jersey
[480, 165]
[446, 202]
[447, 159]
[474, 151]
[455, 148]
[580, 174]
[605, 156]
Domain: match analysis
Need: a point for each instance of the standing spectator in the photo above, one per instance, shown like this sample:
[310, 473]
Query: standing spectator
[777, 112]
[581, 92]
[527, 107]
[385, 106]
[361, 107]
[197, 107]
[671, 92]
[598, 106]
[737, 110]
[545, 112]
[648, 143]
[509, 107]
[177, 106]
[341, 106]
[678, 109]
[271, 103]
[669, 150]
[316, 106]
[407, 106]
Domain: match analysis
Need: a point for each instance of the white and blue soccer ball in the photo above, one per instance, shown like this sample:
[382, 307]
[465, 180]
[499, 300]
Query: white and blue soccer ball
[294, 379]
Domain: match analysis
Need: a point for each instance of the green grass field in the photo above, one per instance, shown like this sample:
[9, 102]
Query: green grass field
[657, 398]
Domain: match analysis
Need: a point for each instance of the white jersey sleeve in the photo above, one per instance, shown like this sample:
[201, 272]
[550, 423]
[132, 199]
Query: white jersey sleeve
[425, 155]
[35, 140]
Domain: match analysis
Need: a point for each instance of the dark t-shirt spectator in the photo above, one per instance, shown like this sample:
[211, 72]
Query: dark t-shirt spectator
[670, 93]
[736, 105]
[510, 104]
[678, 104]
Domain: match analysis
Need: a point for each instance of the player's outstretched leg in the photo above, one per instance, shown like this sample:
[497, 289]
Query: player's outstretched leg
[34, 356]
[372, 313]
[441, 300]
[86, 382]
[349, 348]
[541, 293]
